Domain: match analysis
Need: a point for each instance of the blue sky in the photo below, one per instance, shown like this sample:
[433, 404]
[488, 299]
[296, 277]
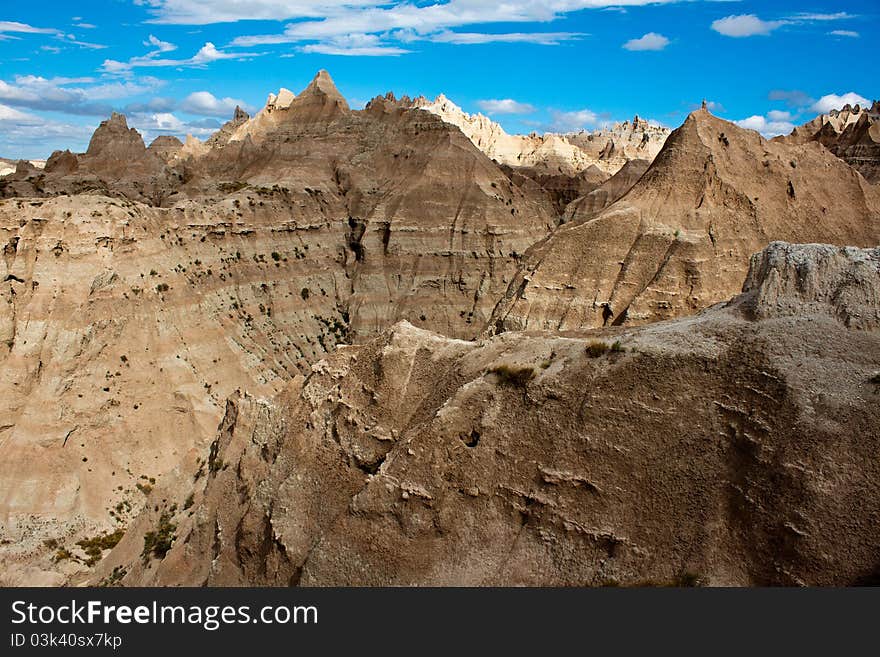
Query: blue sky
[180, 66]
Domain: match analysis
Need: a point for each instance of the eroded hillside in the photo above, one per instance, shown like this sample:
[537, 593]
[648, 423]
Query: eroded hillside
[732, 448]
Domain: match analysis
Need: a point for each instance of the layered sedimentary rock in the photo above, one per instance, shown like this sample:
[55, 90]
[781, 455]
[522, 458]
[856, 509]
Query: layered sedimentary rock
[130, 312]
[734, 448]
[142, 287]
[680, 239]
[608, 192]
[853, 134]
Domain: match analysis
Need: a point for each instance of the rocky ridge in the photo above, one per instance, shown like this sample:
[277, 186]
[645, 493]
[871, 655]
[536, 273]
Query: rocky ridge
[679, 240]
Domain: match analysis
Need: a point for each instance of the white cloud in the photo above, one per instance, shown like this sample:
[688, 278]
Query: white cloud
[651, 41]
[840, 15]
[165, 123]
[363, 45]
[572, 121]
[207, 54]
[403, 21]
[745, 25]
[85, 26]
[505, 106]
[779, 115]
[199, 12]
[28, 136]
[205, 103]
[8, 114]
[159, 45]
[832, 101]
[766, 125]
[24, 28]
[70, 95]
[540, 38]
[845, 33]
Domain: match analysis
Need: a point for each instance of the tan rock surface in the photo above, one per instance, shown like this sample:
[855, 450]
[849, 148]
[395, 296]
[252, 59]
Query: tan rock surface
[680, 239]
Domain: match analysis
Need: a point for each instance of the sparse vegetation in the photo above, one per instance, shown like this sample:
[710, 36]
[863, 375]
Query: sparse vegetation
[517, 377]
[189, 501]
[114, 578]
[157, 543]
[94, 547]
[62, 555]
[597, 349]
[617, 348]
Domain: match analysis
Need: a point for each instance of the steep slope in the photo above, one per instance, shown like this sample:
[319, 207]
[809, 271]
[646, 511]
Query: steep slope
[620, 143]
[608, 192]
[679, 240]
[708, 450]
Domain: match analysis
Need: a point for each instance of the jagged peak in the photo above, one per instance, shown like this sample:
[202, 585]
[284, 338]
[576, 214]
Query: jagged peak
[322, 83]
[116, 119]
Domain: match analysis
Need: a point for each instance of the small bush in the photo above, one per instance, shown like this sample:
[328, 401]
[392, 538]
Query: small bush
[94, 547]
[157, 543]
[596, 349]
[617, 348]
[162, 287]
[517, 377]
[62, 555]
[189, 501]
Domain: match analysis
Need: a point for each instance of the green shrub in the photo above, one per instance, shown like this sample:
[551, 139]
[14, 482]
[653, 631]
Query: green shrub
[62, 554]
[517, 377]
[157, 543]
[94, 547]
[617, 348]
[596, 349]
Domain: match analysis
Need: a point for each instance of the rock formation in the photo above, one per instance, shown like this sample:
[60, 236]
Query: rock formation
[331, 272]
[853, 134]
[138, 295]
[607, 149]
[680, 239]
[700, 451]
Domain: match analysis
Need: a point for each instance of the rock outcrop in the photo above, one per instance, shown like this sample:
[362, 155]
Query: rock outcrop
[701, 451]
[608, 192]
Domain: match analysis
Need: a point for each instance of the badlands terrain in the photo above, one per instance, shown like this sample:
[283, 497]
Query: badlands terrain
[398, 345]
